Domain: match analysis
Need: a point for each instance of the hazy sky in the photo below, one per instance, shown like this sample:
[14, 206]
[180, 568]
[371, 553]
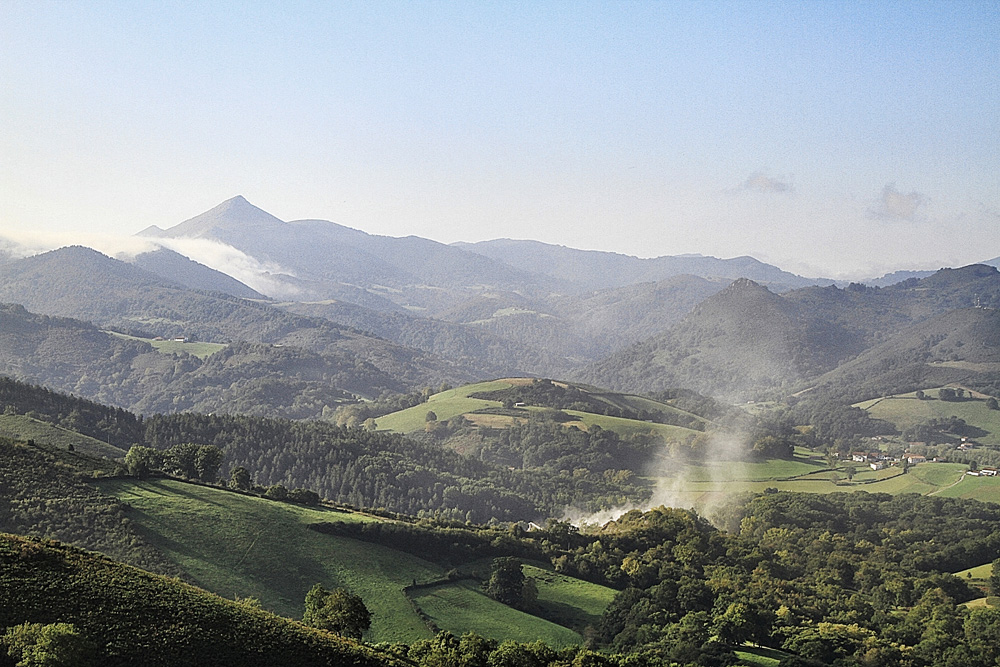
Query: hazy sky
[830, 138]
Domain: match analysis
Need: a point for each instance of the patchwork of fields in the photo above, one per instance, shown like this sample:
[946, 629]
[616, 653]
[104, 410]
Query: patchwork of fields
[248, 547]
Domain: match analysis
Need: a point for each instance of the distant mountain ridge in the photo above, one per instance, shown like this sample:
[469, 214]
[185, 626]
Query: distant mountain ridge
[746, 340]
[597, 269]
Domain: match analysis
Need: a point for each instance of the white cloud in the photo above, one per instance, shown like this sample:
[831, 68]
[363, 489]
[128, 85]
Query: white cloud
[761, 182]
[25, 243]
[263, 276]
[896, 205]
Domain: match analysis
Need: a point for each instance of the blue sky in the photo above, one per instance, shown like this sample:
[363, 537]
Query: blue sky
[830, 138]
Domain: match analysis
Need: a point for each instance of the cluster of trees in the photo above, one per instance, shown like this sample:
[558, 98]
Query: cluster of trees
[338, 611]
[113, 425]
[42, 493]
[359, 414]
[941, 430]
[187, 460]
[547, 445]
[507, 584]
[382, 470]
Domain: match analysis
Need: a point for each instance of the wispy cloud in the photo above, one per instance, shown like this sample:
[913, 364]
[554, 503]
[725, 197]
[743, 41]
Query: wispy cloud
[896, 205]
[25, 243]
[761, 182]
[265, 277]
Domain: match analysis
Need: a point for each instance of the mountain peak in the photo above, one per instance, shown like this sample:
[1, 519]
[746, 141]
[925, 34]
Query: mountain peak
[235, 215]
[746, 284]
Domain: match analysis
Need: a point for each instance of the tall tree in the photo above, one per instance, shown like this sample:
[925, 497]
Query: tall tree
[506, 582]
[338, 611]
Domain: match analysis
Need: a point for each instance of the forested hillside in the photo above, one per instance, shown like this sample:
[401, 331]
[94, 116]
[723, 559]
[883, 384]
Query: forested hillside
[746, 342]
[81, 283]
[76, 357]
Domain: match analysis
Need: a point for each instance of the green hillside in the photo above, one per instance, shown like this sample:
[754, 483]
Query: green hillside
[22, 427]
[131, 617]
[708, 483]
[476, 403]
[242, 546]
[906, 411]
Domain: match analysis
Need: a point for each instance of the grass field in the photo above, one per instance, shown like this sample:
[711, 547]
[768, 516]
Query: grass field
[22, 427]
[759, 656]
[478, 613]
[200, 350]
[241, 546]
[705, 485]
[982, 572]
[570, 602]
[446, 404]
[454, 402]
[905, 410]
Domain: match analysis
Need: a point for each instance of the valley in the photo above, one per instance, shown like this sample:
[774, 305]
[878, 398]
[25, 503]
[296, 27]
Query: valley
[675, 460]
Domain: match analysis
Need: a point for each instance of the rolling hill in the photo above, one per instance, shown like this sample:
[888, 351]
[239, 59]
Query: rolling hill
[595, 270]
[483, 404]
[130, 617]
[745, 341]
[959, 346]
[84, 284]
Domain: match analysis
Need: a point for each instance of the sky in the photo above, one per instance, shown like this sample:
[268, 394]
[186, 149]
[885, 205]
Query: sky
[834, 139]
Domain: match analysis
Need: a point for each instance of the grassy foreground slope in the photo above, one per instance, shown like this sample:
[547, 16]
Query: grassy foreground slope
[136, 618]
[244, 546]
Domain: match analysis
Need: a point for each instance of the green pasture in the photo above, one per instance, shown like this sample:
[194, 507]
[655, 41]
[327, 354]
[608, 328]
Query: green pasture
[981, 572]
[985, 489]
[445, 405]
[22, 427]
[759, 656]
[704, 485]
[460, 607]
[906, 410]
[568, 601]
[200, 350]
[248, 547]
[458, 401]
[982, 603]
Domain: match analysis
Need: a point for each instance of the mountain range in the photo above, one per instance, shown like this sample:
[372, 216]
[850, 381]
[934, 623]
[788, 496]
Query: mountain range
[315, 304]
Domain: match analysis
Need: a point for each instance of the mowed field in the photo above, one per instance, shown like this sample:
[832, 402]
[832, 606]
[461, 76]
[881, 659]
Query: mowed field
[200, 350]
[906, 410]
[243, 546]
[461, 607]
[458, 401]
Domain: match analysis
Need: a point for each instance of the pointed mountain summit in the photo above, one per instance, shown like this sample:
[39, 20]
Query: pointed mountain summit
[230, 220]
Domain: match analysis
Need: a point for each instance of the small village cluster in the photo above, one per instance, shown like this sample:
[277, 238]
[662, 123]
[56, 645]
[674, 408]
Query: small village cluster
[881, 461]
